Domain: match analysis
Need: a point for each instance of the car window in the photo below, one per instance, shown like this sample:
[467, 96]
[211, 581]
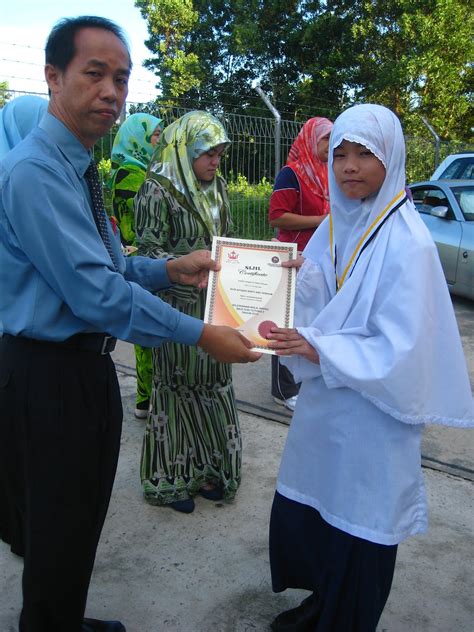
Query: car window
[460, 169]
[468, 171]
[465, 199]
[427, 198]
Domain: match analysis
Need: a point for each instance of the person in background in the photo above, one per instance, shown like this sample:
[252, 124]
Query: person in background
[298, 205]
[378, 352]
[131, 154]
[17, 118]
[67, 292]
[192, 441]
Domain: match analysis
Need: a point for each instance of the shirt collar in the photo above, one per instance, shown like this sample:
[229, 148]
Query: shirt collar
[69, 145]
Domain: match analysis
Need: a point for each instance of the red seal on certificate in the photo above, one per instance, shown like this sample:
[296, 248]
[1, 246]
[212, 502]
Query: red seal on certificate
[265, 327]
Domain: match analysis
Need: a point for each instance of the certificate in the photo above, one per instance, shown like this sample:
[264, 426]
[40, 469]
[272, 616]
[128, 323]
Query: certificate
[251, 292]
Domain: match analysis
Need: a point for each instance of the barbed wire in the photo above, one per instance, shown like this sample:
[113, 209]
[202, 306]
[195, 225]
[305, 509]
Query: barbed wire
[7, 77]
[19, 61]
[31, 63]
[21, 45]
[303, 112]
[327, 104]
[224, 99]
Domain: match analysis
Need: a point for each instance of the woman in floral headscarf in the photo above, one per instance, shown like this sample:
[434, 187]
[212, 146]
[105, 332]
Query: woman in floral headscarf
[299, 203]
[131, 154]
[192, 440]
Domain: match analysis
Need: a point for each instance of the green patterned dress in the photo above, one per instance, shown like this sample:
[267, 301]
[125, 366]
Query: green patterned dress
[192, 435]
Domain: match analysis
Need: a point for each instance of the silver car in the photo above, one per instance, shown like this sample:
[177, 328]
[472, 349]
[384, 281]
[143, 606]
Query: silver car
[447, 208]
[456, 167]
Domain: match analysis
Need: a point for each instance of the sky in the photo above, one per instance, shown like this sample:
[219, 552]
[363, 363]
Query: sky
[25, 26]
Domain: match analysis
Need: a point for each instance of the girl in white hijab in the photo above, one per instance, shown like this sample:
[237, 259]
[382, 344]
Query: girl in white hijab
[378, 352]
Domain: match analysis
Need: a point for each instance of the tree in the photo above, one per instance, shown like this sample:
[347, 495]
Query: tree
[236, 43]
[318, 56]
[170, 22]
[5, 95]
[417, 59]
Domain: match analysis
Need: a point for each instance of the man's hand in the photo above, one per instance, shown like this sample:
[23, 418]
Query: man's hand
[192, 269]
[225, 344]
[287, 342]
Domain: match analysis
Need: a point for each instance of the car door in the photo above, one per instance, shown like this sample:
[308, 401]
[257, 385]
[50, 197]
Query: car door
[464, 195]
[446, 231]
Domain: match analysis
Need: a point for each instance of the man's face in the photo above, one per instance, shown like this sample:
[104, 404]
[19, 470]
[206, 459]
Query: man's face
[89, 95]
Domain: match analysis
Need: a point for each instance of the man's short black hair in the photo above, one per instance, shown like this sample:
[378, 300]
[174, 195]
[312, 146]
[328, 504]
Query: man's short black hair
[60, 47]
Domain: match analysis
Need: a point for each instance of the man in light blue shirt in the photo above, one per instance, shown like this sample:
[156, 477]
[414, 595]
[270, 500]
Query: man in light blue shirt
[66, 294]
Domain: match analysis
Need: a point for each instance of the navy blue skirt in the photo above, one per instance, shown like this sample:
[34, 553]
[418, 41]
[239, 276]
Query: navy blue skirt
[351, 577]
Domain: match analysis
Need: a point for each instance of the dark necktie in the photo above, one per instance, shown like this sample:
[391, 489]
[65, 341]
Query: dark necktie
[92, 178]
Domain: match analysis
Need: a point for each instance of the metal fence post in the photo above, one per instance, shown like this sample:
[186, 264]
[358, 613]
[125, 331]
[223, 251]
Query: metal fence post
[277, 116]
[123, 113]
[437, 140]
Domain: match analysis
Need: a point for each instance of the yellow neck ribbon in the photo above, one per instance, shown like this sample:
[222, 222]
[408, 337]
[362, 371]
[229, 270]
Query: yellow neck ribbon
[375, 224]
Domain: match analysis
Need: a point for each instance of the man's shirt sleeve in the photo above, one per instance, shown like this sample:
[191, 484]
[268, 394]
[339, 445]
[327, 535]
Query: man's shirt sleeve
[53, 227]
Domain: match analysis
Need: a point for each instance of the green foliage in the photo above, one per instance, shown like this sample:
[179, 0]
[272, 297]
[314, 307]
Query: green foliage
[318, 56]
[104, 166]
[249, 207]
[420, 159]
[5, 95]
[239, 185]
[421, 155]
[152, 107]
[169, 24]
[415, 56]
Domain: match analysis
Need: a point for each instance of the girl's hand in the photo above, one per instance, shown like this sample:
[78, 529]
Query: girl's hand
[287, 342]
[293, 263]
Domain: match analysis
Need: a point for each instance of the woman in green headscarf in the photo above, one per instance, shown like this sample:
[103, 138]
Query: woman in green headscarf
[131, 154]
[192, 440]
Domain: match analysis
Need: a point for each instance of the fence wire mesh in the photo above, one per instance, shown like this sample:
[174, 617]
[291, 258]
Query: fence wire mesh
[249, 164]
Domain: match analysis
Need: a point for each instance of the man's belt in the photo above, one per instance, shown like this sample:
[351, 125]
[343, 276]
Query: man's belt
[94, 343]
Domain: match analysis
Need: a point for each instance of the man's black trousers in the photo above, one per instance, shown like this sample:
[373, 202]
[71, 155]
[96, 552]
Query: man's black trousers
[60, 425]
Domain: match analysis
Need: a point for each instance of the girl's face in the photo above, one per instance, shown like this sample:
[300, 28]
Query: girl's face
[323, 148]
[155, 136]
[358, 172]
[205, 165]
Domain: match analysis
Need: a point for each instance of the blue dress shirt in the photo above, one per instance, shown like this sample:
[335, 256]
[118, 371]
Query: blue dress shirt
[56, 276]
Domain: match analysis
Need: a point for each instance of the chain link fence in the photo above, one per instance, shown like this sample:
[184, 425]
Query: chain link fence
[249, 164]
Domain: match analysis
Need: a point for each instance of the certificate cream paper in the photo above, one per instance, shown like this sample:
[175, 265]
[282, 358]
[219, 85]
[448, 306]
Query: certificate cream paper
[251, 292]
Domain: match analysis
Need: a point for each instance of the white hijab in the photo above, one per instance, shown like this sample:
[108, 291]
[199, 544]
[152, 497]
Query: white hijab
[378, 129]
[390, 332]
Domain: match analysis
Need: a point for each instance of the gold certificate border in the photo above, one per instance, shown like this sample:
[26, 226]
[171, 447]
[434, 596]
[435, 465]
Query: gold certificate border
[250, 245]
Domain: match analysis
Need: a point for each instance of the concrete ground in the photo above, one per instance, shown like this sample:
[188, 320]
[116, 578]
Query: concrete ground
[161, 571]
